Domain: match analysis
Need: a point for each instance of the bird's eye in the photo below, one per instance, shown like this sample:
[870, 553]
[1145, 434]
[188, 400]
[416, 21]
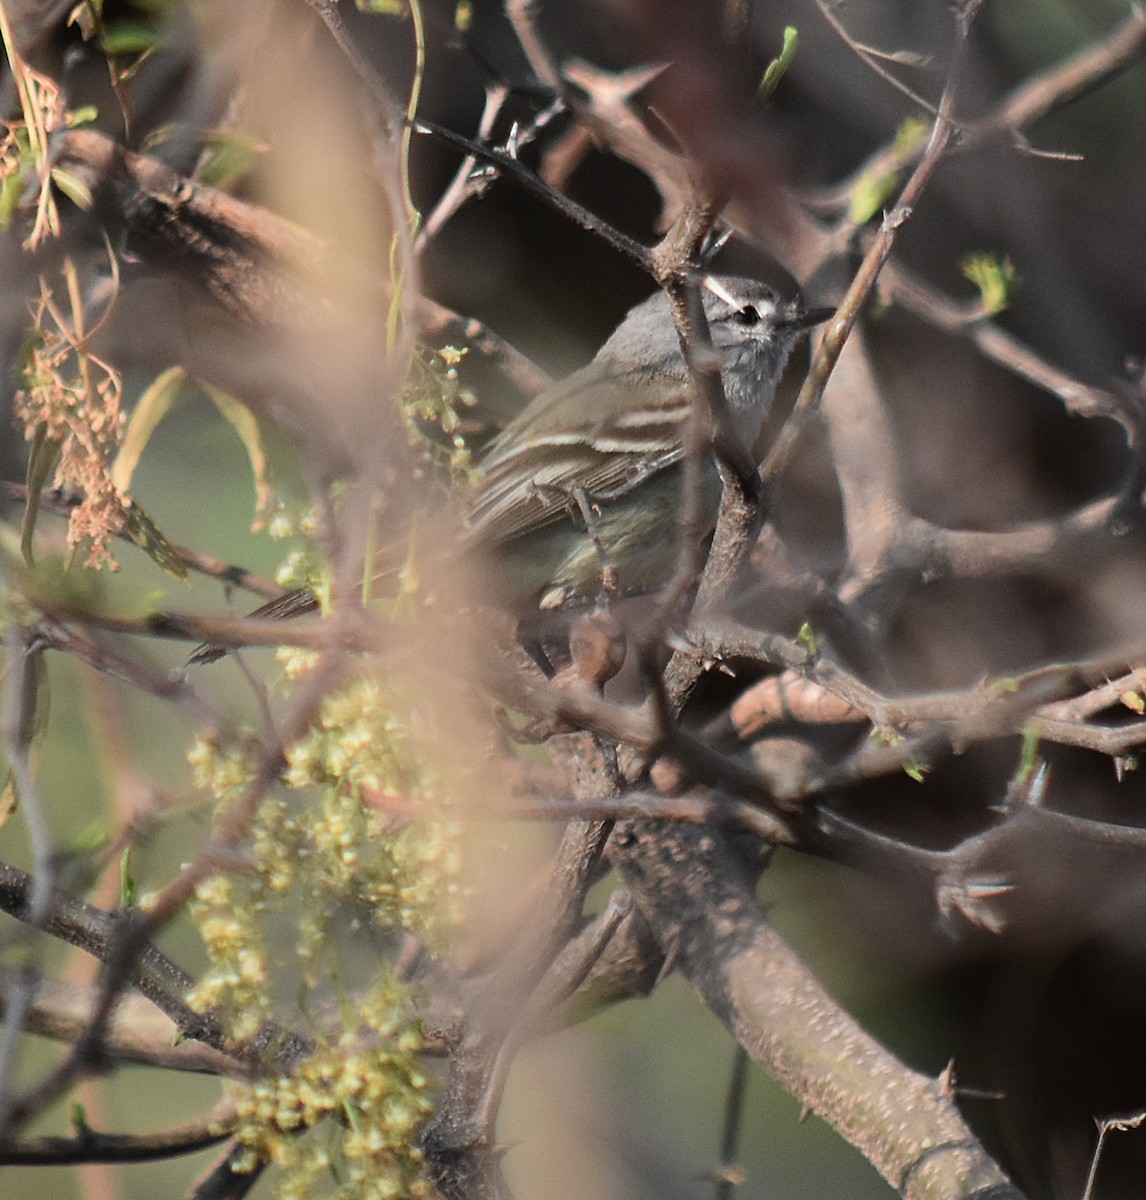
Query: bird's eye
[747, 316]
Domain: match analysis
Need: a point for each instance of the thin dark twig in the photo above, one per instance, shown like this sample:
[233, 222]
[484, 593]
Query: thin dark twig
[996, 344]
[1061, 85]
[21, 698]
[564, 977]
[709, 430]
[714, 811]
[513, 169]
[88, 1146]
[465, 183]
[520, 14]
[707, 419]
[1107, 1126]
[94, 930]
[348, 631]
[58, 636]
[838, 331]
[227, 1180]
[205, 564]
[1034, 99]
[441, 322]
[135, 929]
[871, 58]
[141, 1034]
[384, 113]
[727, 1173]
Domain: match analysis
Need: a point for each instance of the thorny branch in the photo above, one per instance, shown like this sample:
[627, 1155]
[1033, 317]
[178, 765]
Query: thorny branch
[677, 789]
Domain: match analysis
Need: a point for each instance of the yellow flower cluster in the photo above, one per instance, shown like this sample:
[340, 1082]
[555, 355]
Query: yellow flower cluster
[352, 851]
[369, 1083]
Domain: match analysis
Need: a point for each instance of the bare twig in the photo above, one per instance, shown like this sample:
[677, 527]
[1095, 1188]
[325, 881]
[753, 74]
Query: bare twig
[1059, 86]
[728, 1173]
[1107, 1126]
[140, 1033]
[520, 14]
[898, 284]
[511, 168]
[465, 184]
[837, 333]
[89, 1146]
[871, 58]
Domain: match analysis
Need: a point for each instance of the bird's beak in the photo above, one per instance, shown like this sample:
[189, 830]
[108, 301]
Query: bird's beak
[798, 319]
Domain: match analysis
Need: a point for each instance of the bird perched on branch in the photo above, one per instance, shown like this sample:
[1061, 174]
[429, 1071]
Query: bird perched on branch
[580, 494]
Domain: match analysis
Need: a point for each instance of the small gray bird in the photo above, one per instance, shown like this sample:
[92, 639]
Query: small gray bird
[604, 448]
[590, 472]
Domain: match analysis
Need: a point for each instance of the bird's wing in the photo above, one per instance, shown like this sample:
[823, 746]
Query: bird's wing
[558, 446]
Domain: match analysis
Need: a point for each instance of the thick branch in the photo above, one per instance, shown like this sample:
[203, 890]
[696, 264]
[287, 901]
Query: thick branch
[701, 904]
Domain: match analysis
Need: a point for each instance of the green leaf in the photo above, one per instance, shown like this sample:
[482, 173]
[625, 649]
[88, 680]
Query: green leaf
[807, 638]
[904, 58]
[9, 801]
[89, 841]
[1029, 756]
[73, 187]
[144, 532]
[41, 463]
[915, 770]
[869, 195]
[10, 191]
[35, 701]
[30, 723]
[776, 69]
[127, 37]
[243, 421]
[876, 187]
[154, 141]
[909, 137]
[229, 155]
[83, 115]
[127, 889]
[152, 406]
[995, 278]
